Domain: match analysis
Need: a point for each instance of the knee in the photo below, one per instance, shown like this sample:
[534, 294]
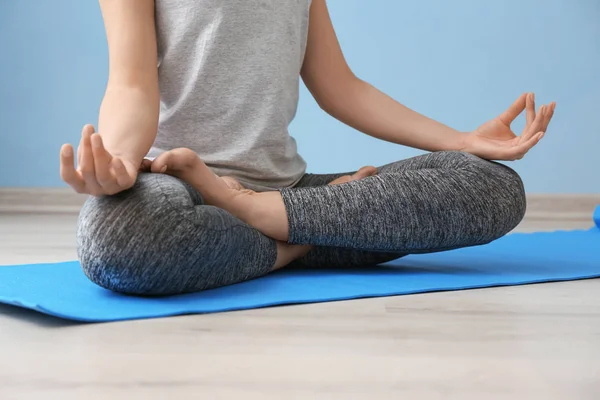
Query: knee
[514, 198]
[116, 235]
[102, 241]
[502, 188]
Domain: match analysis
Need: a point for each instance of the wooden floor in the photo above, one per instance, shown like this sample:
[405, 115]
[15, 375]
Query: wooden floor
[531, 342]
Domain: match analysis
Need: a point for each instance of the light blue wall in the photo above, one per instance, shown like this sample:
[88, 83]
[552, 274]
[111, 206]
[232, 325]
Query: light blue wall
[461, 62]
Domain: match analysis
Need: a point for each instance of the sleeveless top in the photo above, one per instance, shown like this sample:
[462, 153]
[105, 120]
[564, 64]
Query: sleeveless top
[229, 75]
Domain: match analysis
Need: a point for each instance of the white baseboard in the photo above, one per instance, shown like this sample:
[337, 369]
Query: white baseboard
[561, 206]
[64, 200]
[40, 200]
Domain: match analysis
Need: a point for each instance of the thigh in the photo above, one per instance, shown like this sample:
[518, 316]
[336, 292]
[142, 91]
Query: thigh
[434, 202]
[341, 257]
[435, 160]
[159, 238]
[450, 160]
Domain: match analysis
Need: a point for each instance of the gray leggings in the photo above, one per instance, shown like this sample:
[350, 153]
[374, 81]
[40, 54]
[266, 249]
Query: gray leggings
[159, 238]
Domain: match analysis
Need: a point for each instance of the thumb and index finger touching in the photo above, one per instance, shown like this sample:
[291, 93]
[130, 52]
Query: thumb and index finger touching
[536, 122]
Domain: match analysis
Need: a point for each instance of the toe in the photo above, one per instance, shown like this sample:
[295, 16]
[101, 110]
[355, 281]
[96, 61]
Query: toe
[364, 172]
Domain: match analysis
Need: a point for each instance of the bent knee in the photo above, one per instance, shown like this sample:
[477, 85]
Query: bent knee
[504, 191]
[497, 189]
[120, 237]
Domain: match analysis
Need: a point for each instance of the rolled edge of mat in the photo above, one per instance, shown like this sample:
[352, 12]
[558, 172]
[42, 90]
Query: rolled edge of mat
[597, 217]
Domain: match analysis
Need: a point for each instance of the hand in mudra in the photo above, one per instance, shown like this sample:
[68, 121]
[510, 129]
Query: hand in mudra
[495, 140]
[98, 171]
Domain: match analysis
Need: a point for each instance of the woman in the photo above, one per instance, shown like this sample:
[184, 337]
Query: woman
[206, 89]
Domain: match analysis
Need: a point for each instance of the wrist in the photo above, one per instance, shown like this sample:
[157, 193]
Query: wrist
[129, 151]
[462, 141]
[133, 159]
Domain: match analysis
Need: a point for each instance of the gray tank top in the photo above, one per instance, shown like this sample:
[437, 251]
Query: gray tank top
[229, 81]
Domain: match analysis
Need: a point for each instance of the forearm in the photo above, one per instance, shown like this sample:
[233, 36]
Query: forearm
[370, 111]
[128, 121]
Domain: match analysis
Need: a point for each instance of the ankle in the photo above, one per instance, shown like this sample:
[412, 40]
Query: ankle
[266, 212]
[286, 253]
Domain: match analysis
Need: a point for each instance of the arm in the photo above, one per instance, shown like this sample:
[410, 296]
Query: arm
[108, 162]
[358, 104]
[129, 113]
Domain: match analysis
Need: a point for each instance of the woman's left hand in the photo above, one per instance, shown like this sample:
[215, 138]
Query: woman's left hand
[494, 140]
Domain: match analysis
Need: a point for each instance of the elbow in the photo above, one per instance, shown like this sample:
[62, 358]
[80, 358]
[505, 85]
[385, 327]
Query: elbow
[339, 96]
[143, 79]
[327, 105]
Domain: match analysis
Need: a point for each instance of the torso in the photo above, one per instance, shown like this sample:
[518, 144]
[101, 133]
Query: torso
[229, 80]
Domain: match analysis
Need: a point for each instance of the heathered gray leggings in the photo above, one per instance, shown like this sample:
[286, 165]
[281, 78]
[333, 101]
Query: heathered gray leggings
[159, 238]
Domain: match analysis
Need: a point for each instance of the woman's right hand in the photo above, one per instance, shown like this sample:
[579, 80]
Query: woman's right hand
[98, 172]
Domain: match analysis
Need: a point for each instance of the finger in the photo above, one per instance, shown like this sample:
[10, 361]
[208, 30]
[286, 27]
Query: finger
[364, 172]
[87, 168]
[86, 128]
[522, 148]
[538, 123]
[102, 161]
[549, 115]
[516, 108]
[120, 174]
[79, 148]
[535, 127]
[530, 105]
[67, 169]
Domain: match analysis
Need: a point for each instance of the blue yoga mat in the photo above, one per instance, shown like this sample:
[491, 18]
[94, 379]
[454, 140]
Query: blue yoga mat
[63, 290]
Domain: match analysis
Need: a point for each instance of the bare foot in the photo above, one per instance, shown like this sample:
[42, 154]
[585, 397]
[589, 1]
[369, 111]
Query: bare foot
[224, 192]
[264, 211]
[358, 175]
[221, 192]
